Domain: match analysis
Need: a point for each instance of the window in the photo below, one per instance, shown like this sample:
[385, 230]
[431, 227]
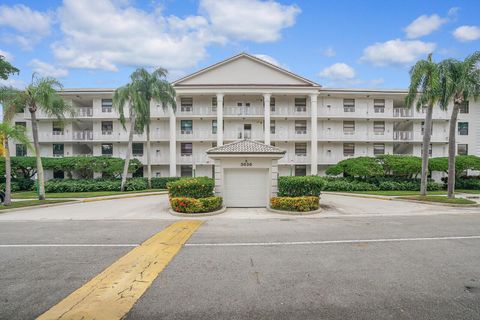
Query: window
[186, 171]
[301, 104]
[348, 105]
[58, 149]
[379, 105]
[463, 128]
[107, 149]
[186, 126]
[214, 104]
[186, 149]
[106, 105]
[300, 170]
[378, 128]
[21, 124]
[247, 131]
[464, 107]
[423, 128]
[272, 104]
[349, 127]
[214, 144]
[57, 128]
[137, 149]
[272, 126]
[214, 126]
[300, 126]
[462, 149]
[186, 104]
[58, 174]
[300, 149]
[213, 172]
[378, 148]
[20, 150]
[348, 149]
[107, 127]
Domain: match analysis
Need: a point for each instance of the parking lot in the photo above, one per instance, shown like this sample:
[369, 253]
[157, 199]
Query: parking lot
[395, 260]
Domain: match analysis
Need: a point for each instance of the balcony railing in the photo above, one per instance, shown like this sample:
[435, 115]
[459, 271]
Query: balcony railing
[402, 112]
[82, 135]
[84, 112]
[242, 111]
[403, 135]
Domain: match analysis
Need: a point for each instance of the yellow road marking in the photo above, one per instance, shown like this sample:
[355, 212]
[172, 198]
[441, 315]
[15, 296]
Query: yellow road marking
[113, 292]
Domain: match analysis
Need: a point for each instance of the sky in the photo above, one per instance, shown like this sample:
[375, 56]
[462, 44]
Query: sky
[341, 43]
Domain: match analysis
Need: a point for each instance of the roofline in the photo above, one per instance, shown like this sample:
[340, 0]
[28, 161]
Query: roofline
[242, 153]
[360, 90]
[244, 54]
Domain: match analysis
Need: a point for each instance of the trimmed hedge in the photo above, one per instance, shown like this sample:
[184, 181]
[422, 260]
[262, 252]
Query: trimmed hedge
[380, 184]
[91, 185]
[161, 183]
[20, 185]
[201, 187]
[192, 205]
[299, 204]
[299, 186]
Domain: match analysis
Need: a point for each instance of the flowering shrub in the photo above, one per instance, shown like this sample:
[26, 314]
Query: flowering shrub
[192, 205]
[299, 204]
[201, 187]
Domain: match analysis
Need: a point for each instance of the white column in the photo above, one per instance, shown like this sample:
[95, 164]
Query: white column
[314, 135]
[219, 119]
[266, 101]
[173, 143]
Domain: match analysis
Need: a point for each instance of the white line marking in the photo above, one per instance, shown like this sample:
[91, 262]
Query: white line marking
[65, 245]
[294, 243]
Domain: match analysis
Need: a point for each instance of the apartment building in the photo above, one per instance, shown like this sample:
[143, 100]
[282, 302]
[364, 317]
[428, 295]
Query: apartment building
[245, 97]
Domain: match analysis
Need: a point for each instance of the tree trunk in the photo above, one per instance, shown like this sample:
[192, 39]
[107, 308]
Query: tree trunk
[129, 153]
[452, 145]
[149, 162]
[426, 147]
[8, 174]
[36, 144]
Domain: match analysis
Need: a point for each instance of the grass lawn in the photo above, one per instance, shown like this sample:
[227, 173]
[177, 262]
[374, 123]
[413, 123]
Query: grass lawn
[30, 203]
[468, 191]
[439, 199]
[33, 194]
[397, 193]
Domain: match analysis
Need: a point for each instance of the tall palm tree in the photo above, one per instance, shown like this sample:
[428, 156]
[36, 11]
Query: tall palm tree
[42, 94]
[460, 81]
[424, 88]
[144, 88]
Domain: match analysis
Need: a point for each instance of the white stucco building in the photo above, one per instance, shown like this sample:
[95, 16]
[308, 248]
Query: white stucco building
[246, 97]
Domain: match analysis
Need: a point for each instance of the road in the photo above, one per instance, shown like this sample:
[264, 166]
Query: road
[353, 263]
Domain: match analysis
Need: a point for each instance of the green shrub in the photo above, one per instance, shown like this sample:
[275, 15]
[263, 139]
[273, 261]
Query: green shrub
[299, 186]
[471, 183]
[201, 187]
[342, 184]
[378, 183]
[299, 204]
[161, 183]
[136, 184]
[20, 185]
[91, 185]
[192, 205]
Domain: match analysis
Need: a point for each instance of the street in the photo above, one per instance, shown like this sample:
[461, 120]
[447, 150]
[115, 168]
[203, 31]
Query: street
[346, 264]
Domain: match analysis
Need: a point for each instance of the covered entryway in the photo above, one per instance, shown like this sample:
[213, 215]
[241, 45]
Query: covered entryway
[246, 172]
[245, 187]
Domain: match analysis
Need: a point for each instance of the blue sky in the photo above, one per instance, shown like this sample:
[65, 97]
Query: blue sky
[97, 43]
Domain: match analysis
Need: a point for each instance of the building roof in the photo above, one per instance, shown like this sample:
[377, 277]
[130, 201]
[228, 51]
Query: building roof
[246, 146]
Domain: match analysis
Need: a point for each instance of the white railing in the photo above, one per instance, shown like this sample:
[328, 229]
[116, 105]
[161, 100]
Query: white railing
[242, 111]
[402, 112]
[402, 135]
[286, 111]
[82, 135]
[194, 159]
[195, 134]
[84, 112]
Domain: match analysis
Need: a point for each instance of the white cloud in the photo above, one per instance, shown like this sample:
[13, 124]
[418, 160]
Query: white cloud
[396, 52]
[254, 20]
[15, 83]
[338, 71]
[8, 56]
[453, 12]
[32, 25]
[47, 70]
[271, 60]
[424, 25]
[329, 52]
[467, 33]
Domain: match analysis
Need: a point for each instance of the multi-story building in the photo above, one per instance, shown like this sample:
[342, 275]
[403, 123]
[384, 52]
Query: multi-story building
[245, 97]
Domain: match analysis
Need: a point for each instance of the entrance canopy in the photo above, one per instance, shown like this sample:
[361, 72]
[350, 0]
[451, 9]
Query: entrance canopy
[246, 172]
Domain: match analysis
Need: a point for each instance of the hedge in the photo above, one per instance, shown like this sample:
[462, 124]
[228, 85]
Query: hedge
[20, 185]
[161, 183]
[377, 184]
[192, 205]
[91, 185]
[299, 204]
[299, 186]
[201, 187]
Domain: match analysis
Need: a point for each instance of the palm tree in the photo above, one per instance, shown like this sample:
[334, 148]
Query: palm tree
[42, 94]
[460, 81]
[143, 89]
[424, 88]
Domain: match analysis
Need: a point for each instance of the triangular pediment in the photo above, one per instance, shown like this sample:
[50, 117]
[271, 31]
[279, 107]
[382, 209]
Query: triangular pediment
[244, 70]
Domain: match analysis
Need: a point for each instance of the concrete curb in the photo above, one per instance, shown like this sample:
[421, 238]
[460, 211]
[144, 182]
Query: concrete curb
[126, 196]
[40, 206]
[358, 195]
[295, 213]
[193, 215]
[439, 203]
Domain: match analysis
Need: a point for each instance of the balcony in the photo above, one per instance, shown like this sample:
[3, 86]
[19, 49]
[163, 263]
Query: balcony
[403, 135]
[290, 111]
[82, 135]
[194, 159]
[192, 111]
[195, 135]
[294, 159]
[243, 111]
[84, 112]
[402, 112]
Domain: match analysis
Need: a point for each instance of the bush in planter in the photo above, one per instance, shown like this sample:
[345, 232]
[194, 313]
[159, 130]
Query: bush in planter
[201, 187]
[298, 186]
[192, 205]
[299, 204]
[161, 183]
